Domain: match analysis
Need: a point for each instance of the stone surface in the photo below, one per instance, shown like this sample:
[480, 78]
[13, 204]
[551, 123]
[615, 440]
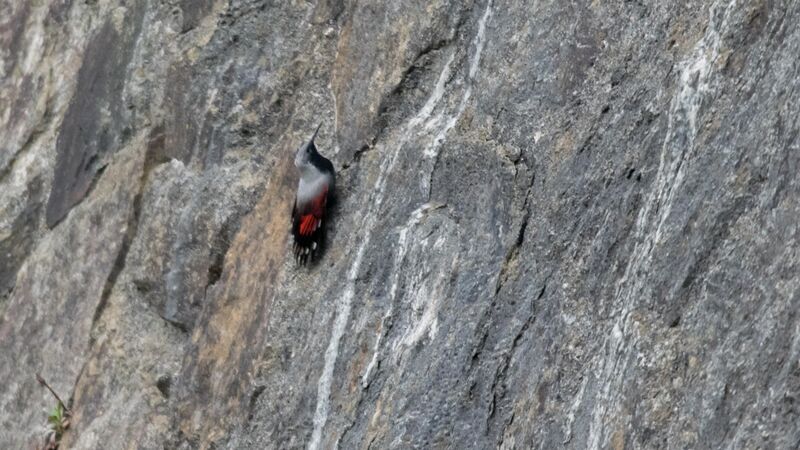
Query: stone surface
[559, 224]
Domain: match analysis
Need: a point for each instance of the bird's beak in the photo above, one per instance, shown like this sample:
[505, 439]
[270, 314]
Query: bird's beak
[315, 132]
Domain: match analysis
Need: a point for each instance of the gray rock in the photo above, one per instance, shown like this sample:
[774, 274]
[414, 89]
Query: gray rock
[557, 225]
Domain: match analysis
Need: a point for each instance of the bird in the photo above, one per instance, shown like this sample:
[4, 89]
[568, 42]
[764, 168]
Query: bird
[315, 193]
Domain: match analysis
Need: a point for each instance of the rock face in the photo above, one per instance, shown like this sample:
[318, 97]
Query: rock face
[559, 224]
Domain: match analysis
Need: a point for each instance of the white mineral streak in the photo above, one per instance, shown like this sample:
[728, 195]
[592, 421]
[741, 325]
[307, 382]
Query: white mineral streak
[695, 82]
[344, 304]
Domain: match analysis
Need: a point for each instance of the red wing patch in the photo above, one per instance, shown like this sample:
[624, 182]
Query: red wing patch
[307, 226]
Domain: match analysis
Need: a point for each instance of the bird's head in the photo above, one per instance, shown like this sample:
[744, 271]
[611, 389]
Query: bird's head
[306, 151]
[303, 156]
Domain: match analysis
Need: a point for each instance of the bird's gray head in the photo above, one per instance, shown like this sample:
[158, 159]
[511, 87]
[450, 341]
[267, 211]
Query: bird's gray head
[306, 151]
[303, 156]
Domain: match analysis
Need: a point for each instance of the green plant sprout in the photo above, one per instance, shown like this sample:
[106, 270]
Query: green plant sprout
[58, 419]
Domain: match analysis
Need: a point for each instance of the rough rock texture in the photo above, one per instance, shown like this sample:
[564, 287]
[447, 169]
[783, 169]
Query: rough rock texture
[560, 224]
